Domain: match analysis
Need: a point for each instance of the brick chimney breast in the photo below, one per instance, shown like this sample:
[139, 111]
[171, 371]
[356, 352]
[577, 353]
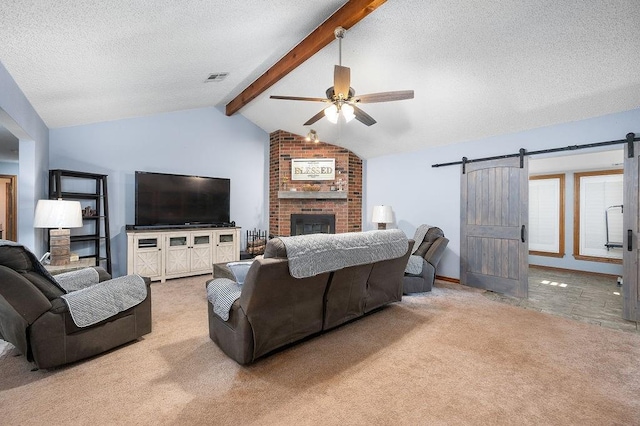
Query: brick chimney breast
[345, 205]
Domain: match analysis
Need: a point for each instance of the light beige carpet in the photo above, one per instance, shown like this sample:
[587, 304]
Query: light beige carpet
[446, 357]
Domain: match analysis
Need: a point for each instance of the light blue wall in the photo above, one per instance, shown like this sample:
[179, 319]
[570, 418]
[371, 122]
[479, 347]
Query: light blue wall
[201, 142]
[7, 168]
[420, 193]
[19, 117]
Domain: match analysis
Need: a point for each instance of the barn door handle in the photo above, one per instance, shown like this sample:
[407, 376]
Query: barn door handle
[522, 233]
[629, 240]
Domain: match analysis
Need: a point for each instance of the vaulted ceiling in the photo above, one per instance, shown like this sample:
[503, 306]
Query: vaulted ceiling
[478, 68]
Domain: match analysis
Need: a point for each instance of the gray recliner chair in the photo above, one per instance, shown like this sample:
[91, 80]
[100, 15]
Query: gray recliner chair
[37, 320]
[431, 250]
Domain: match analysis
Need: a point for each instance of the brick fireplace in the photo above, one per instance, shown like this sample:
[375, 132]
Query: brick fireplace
[345, 206]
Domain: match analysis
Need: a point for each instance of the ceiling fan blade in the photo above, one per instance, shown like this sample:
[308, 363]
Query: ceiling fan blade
[315, 118]
[383, 97]
[363, 117]
[299, 98]
[341, 80]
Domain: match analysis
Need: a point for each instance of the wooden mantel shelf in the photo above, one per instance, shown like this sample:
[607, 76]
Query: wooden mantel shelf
[314, 195]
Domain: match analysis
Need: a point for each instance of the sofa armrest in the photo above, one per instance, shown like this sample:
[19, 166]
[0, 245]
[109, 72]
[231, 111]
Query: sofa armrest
[77, 280]
[96, 303]
[103, 275]
[81, 278]
[58, 305]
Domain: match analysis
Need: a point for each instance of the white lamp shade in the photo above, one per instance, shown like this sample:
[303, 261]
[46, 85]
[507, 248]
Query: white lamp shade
[58, 214]
[331, 112]
[382, 214]
[348, 112]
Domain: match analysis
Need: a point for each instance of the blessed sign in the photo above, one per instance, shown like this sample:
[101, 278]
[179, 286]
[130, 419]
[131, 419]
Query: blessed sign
[313, 169]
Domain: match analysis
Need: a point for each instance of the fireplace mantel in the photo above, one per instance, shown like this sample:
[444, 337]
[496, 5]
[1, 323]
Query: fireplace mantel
[314, 195]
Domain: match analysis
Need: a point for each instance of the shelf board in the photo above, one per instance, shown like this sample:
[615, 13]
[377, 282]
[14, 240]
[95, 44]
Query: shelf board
[85, 238]
[76, 174]
[77, 195]
[314, 195]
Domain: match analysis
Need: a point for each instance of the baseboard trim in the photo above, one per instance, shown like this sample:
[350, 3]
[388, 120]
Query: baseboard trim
[553, 268]
[448, 279]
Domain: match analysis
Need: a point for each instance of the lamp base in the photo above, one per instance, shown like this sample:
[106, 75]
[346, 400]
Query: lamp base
[382, 226]
[59, 243]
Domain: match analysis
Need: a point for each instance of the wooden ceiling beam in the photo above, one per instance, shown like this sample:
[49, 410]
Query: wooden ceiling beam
[347, 16]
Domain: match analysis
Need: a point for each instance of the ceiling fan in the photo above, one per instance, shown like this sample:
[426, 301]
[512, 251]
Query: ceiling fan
[342, 97]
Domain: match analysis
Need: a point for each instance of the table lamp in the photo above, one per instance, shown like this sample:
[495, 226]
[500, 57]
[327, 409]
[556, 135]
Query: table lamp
[382, 215]
[56, 215]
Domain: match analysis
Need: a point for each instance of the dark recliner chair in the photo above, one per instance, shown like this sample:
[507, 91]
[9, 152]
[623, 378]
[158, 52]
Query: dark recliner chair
[431, 250]
[36, 320]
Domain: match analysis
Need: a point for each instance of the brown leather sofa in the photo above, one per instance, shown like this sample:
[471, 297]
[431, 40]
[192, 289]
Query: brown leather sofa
[431, 250]
[276, 309]
[35, 319]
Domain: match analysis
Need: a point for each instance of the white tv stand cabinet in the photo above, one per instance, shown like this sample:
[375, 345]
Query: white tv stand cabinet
[161, 254]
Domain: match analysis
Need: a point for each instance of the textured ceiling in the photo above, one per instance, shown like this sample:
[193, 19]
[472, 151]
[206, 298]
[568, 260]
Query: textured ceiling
[478, 68]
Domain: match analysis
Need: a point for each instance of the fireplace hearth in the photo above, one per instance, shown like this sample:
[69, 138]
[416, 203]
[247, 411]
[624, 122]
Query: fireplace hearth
[304, 224]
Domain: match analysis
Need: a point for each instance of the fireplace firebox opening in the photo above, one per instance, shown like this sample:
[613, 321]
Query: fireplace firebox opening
[303, 224]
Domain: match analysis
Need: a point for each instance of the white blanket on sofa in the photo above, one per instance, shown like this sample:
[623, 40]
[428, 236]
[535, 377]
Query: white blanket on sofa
[315, 254]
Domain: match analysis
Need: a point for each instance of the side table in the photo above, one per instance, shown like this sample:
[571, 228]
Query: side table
[73, 266]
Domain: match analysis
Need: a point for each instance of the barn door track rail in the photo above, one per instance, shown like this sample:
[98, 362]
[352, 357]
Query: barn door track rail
[630, 139]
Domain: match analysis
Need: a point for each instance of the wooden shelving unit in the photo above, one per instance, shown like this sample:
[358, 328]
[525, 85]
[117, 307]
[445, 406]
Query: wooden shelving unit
[94, 191]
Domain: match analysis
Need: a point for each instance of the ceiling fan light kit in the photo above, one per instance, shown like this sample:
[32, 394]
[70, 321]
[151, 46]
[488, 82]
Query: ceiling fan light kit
[342, 97]
[331, 112]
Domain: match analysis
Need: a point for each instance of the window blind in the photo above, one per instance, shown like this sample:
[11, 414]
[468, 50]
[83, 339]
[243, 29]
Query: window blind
[544, 215]
[597, 194]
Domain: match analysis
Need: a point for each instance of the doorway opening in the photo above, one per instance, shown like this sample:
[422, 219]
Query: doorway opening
[575, 240]
[8, 207]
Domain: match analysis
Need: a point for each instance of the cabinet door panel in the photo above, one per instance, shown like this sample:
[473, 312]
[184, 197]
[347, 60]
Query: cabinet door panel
[201, 258]
[176, 254]
[226, 253]
[148, 256]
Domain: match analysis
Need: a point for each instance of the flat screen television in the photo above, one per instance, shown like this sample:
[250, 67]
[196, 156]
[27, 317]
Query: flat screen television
[167, 199]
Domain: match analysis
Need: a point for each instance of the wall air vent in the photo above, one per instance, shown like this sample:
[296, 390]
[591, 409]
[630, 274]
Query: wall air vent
[217, 76]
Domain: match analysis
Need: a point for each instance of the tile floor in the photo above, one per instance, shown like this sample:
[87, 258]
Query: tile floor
[582, 296]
